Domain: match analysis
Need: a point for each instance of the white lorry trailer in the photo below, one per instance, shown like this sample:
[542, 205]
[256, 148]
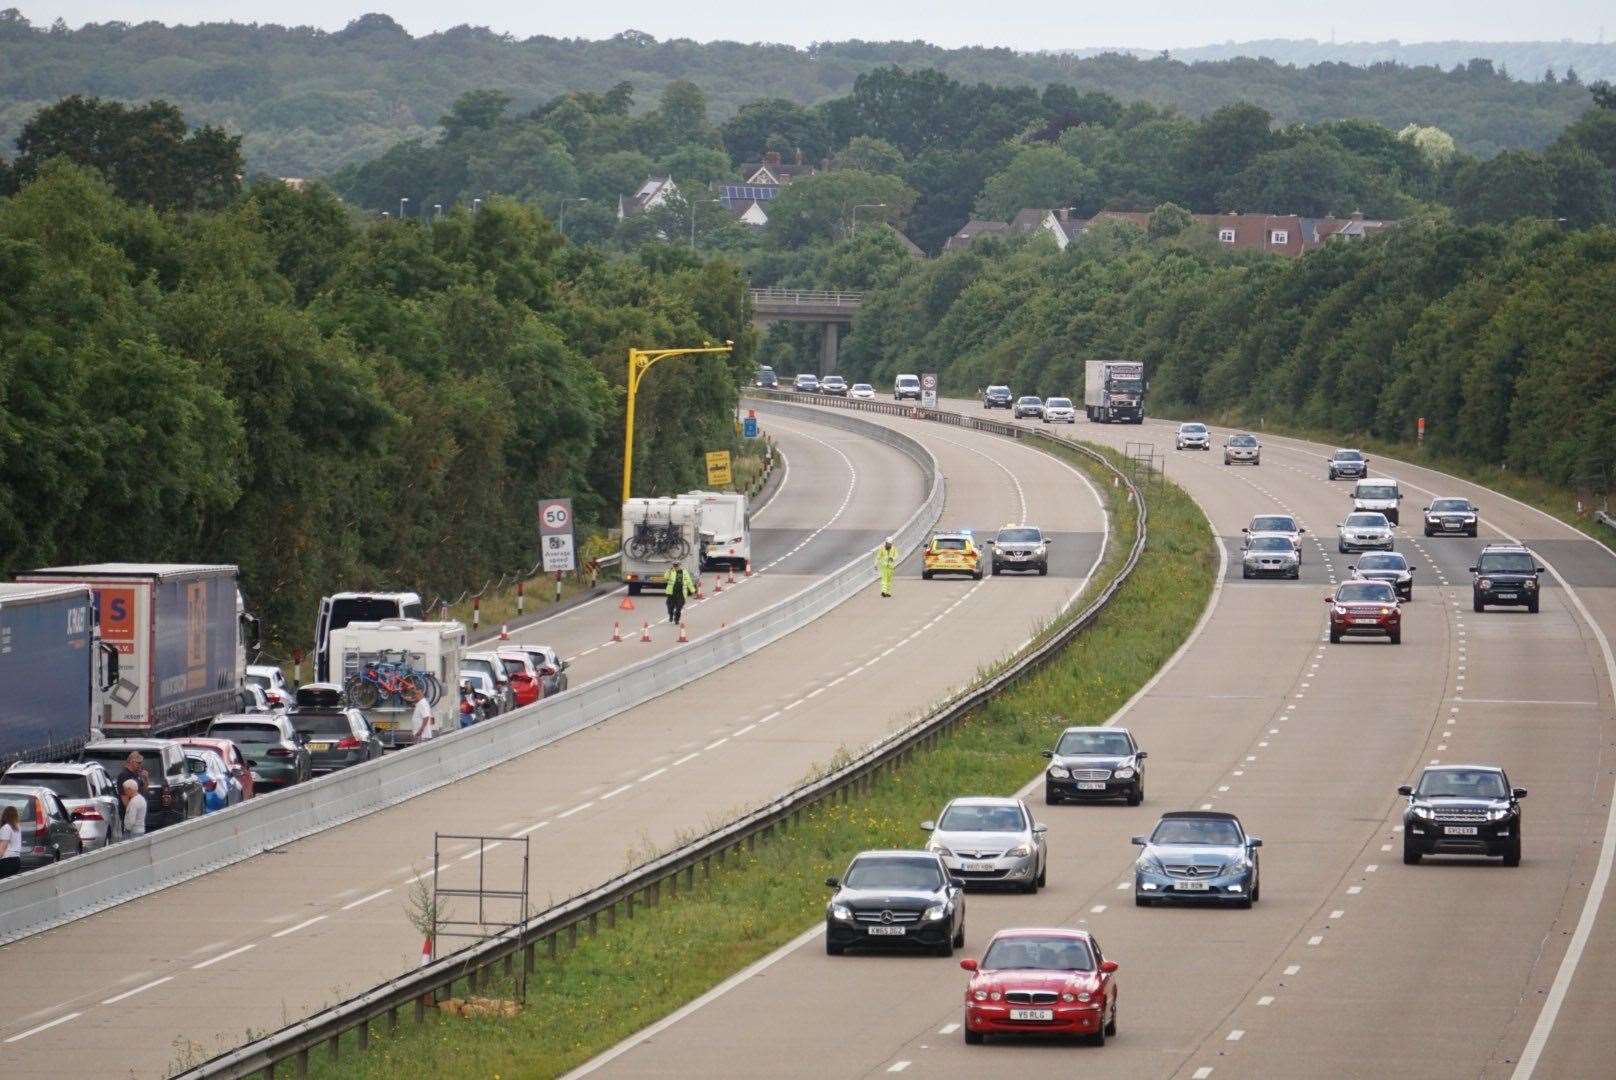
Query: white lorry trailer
[659, 534]
[726, 529]
[1114, 391]
[386, 666]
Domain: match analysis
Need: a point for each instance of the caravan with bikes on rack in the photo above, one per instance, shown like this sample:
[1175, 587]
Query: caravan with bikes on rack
[659, 534]
[385, 667]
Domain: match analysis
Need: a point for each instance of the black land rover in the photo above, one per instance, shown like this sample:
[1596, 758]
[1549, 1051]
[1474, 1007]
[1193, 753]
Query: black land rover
[1505, 574]
[1462, 810]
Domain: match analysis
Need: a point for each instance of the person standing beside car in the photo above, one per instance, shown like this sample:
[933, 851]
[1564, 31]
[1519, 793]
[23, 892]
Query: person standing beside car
[10, 843]
[134, 809]
[134, 768]
[426, 724]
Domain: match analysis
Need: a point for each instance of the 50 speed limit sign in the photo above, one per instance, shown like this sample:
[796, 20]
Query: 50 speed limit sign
[555, 535]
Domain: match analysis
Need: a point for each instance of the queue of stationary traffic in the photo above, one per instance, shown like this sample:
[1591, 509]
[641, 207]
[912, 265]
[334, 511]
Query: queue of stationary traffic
[1044, 981]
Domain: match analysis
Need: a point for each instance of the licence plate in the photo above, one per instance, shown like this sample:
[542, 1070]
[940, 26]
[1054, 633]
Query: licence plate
[385, 725]
[978, 867]
[1458, 830]
[319, 747]
[1452, 525]
[1366, 622]
[888, 931]
[1032, 1014]
[1191, 886]
[1507, 595]
[1091, 785]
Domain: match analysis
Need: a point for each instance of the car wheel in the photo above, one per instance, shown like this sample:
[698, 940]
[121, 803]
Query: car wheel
[1476, 604]
[976, 576]
[972, 1038]
[1512, 853]
[1029, 887]
[1043, 570]
[1245, 572]
[925, 575]
[1396, 636]
[1050, 798]
[1136, 794]
[1111, 1025]
[833, 949]
[1428, 533]
[1472, 533]
[959, 938]
[996, 570]
[1256, 889]
[1335, 636]
[1531, 606]
[1098, 1038]
[1411, 852]
[1141, 901]
[1340, 547]
[1043, 875]
[946, 948]
[1257, 460]
[1296, 572]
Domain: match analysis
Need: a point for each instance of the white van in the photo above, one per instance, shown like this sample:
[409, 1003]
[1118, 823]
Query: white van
[381, 665]
[906, 386]
[726, 529]
[1377, 493]
[340, 609]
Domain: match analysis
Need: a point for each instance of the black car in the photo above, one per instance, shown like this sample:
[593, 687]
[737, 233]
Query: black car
[1348, 463]
[766, 379]
[1462, 810]
[896, 898]
[172, 794]
[336, 735]
[1451, 517]
[1095, 763]
[1392, 567]
[48, 832]
[997, 397]
[1505, 574]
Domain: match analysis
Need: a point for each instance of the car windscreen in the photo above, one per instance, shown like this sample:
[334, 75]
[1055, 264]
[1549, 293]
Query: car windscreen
[1060, 403]
[1019, 536]
[1106, 743]
[1464, 783]
[949, 545]
[478, 679]
[514, 667]
[1366, 521]
[1215, 831]
[1376, 491]
[893, 873]
[908, 380]
[968, 818]
[484, 666]
[1387, 561]
[201, 766]
[113, 761]
[1365, 592]
[1029, 400]
[66, 785]
[257, 734]
[1272, 543]
[862, 386]
[321, 724]
[260, 681]
[1193, 429]
[1243, 440]
[1038, 954]
[1507, 563]
[362, 609]
[26, 811]
[1450, 506]
[1348, 455]
[1273, 524]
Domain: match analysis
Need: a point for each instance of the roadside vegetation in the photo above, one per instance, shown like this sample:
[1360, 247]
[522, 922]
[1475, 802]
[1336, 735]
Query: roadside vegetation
[609, 986]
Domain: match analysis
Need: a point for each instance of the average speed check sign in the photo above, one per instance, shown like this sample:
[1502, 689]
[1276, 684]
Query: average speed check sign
[555, 535]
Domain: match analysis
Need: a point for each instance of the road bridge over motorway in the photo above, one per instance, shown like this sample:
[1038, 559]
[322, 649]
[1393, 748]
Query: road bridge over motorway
[831, 310]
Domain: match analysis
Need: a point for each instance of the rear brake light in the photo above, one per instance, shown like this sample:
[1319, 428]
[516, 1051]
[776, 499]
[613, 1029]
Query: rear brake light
[349, 743]
[279, 751]
[87, 813]
[39, 814]
[208, 785]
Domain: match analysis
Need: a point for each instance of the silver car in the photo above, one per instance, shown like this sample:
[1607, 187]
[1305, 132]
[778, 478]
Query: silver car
[1242, 447]
[1276, 525]
[1367, 531]
[1060, 410]
[1198, 855]
[1193, 436]
[990, 840]
[1270, 556]
[85, 789]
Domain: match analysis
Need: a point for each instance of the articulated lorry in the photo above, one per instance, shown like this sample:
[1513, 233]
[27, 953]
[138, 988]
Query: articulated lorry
[1114, 391]
[53, 670]
[179, 634]
[658, 534]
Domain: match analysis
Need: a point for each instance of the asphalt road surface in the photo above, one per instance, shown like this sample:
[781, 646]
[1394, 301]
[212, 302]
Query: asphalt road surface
[1352, 964]
[186, 972]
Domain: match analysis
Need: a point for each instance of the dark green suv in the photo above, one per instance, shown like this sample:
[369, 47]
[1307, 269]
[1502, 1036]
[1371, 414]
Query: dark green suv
[1505, 574]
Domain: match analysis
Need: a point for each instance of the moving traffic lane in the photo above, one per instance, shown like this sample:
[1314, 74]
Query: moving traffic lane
[587, 803]
[1307, 747]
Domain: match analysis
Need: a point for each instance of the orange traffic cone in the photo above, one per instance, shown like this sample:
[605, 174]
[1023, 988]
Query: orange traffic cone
[732, 574]
[504, 632]
[617, 632]
[683, 637]
[645, 632]
[627, 604]
[718, 584]
[748, 567]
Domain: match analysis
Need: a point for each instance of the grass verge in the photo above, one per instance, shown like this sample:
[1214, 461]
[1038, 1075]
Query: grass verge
[612, 985]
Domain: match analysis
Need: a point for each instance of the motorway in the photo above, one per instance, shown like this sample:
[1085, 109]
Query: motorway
[1352, 964]
[178, 975]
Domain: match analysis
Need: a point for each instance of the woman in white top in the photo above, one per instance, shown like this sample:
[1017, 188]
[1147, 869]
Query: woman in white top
[134, 810]
[10, 843]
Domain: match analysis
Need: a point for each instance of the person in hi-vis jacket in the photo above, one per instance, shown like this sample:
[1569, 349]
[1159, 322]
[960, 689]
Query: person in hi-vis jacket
[886, 561]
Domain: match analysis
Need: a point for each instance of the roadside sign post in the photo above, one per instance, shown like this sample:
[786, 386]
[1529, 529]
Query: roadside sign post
[928, 391]
[749, 426]
[718, 469]
[1420, 433]
[557, 550]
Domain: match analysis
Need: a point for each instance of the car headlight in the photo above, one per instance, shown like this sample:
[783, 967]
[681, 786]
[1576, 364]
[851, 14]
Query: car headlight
[1059, 772]
[936, 913]
[1423, 812]
[1125, 773]
[1150, 864]
[1020, 851]
[1530, 583]
[1499, 815]
[1432, 519]
[840, 911]
[1484, 583]
[1386, 611]
[1085, 996]
[995, 995]
[938, 849]
[980, 995]
[1068, 997]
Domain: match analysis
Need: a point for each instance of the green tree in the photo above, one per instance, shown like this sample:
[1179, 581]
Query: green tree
[774, 124]
[1513, 185]
[694, 165]
[477, 110]
[1168, 220]
[871, 155]
[1583, 187]
[821, 207]
[1039, 176]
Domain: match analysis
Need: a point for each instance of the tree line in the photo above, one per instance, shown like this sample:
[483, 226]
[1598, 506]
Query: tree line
[191, 370]
[309, 101]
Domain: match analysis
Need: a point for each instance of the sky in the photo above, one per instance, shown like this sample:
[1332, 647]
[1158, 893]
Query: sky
[1026, 24]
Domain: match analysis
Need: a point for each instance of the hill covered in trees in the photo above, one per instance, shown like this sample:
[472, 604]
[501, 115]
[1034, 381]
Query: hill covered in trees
[307, 102]
[1582, 61]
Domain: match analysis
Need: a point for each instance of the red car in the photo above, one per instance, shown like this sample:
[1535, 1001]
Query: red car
[1365, 608]
[1041, 982]
[231, 755]
[526, 682]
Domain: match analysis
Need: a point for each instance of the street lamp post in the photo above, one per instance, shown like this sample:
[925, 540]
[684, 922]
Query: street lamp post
[863, 206]
[639, 360]
[476, 205]
[561, 222]
[402, 202]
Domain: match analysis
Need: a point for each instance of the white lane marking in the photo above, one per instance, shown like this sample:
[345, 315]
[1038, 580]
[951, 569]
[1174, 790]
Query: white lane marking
[1354, 890]
[1338, 914]
[1293, 969]
[350, 905]
[224, 956]
[793, 705]
[304, 925]
[1234, 1036]
[1096, 909]
[1266, 999]
[580, 806]
[1123, 885]
[1371, 868]
[536, 825]
[1314, 940]
[139, 989]
[20, 1036]
[652, 775]
[418, 877]
[776, 713]
[1202, 1073]
[686, 758]
[948, 1029]
[1206, 806]
[899, 1066]
[716, 743]
[612, 794]
[742, 731]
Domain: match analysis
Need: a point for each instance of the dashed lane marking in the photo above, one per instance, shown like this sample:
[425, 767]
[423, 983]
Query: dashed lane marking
[140, 989]
[225, 956]
[304, 925]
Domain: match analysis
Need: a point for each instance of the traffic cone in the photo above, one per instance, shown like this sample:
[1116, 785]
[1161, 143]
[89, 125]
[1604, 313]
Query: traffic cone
[718, 584]
[627, 604]
[732, 580]
[504, 632]
[748, 567]
[426, 952]
[645, 632]
[617, 631]
[683, 637]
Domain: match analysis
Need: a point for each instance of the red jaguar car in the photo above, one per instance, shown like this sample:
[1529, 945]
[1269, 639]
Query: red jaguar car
[1041, 982]
[1365, 608]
